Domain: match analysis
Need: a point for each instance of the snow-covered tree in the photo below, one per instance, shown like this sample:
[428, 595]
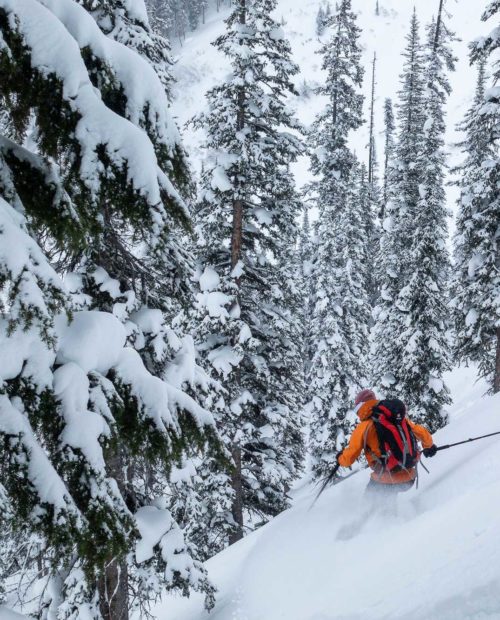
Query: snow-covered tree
[341, 310]
[476, 284]
[403, 178]
[389, 150]
[246, 221]
[92, 385]
[425, 299]
[411, 335]
[306, 253]
[372, 172]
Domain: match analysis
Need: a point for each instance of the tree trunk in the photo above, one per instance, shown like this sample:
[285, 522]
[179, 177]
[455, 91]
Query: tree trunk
[237, 233]
[113, 583]
[438, 25]
[236, 246]
[496, 380]
[237, 507]
[113, 591]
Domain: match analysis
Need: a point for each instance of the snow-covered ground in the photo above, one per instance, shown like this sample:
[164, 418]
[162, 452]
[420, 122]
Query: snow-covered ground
[437, 560]
[199, 66]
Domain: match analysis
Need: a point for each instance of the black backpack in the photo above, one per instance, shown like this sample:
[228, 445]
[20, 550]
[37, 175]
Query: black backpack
[398, 444]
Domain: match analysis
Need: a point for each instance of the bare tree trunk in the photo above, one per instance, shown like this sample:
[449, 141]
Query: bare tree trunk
[438, 25]
[237, 507]
[236, 246]
[113, 591]
[496, 379]
[237, 233]
[113, 583]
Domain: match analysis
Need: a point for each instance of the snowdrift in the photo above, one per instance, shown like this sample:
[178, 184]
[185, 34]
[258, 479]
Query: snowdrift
[439, 559]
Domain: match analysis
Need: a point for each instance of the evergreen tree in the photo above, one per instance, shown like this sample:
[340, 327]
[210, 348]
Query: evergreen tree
[389, 150]
[403, 178]
[306, 253]
[476, 248]
[424, 299]
[246, 220]
[341, 309]
[372, 147]
[86, 369]
[320, 21]
[477, 318]
[370, 196]
[368, 203]
[410, 337]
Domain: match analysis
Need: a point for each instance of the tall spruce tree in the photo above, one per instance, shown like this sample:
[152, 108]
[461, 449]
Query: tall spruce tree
[341, 310]
[410, 338]
[403, 178]
[246, 218]
[307, 287]
[84, 390]
[424, 300]
[475, 305]
[389, 151]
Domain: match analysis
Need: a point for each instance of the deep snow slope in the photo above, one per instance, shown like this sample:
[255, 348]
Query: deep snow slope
[439, 559]
[199, 66]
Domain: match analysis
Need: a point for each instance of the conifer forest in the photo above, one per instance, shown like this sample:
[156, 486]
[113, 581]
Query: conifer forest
[220, 221]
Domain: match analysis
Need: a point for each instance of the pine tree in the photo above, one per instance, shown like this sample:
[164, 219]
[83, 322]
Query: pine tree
[341, 306]
[372, 148]
[320, 21]
[81, 397]
[410, 337]
[370, 195]
[425, 297]
[476, 249]
[368, 204]
[306, 253]
[403, 178]
[389, 150]
[246, 218]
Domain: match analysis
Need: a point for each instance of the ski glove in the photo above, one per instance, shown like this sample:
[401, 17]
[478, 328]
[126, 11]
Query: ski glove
[428, 452]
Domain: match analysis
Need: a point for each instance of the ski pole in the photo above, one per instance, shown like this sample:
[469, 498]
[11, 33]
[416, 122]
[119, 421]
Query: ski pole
[459, 443]
[326, 482]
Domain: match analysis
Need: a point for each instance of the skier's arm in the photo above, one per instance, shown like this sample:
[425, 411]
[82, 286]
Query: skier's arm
[353, 451]
[422, 434]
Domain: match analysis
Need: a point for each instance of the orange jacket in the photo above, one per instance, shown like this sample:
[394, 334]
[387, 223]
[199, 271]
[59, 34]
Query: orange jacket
[364, 437]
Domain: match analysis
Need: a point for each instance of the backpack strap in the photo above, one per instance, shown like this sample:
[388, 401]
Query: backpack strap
[381, 460]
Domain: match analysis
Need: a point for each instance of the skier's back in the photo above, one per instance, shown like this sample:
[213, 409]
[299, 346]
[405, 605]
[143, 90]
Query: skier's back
[389, 440]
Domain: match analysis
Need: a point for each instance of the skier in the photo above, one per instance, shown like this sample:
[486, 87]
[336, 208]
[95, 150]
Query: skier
[389, 440]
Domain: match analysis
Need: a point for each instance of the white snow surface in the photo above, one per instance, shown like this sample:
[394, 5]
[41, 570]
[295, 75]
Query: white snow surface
[438, 559]
[153, 523]
[8, 614]
[93, 340]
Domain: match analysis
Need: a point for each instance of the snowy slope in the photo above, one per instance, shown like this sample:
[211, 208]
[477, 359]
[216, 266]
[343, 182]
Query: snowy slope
[199, 66]
[438, 560]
